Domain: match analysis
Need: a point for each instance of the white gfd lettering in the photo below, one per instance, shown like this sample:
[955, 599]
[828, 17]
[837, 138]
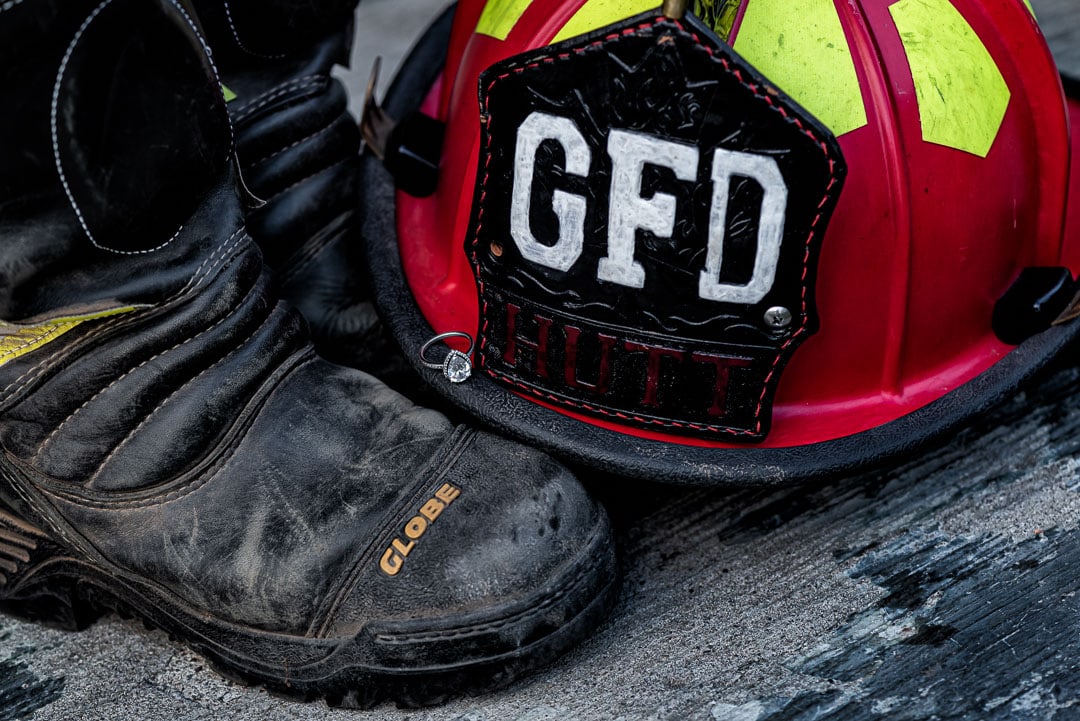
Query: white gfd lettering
[569, 208]
[629, 211]
[766, 172]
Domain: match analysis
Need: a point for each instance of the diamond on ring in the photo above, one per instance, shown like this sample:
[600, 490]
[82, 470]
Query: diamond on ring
[457, 367]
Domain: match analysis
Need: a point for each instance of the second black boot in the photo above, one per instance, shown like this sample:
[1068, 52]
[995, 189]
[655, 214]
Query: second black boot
[171, 445]
[298, 149]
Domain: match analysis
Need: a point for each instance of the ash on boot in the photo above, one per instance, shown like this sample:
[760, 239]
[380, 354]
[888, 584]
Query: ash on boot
[172, 445]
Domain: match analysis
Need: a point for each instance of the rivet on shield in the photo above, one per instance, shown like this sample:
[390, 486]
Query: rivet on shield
[778, 317]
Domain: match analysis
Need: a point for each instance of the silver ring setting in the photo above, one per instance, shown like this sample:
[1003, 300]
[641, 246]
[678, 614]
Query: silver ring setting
[456, 366]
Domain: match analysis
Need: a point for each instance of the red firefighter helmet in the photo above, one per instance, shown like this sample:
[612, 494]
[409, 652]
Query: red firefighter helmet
[766, 240]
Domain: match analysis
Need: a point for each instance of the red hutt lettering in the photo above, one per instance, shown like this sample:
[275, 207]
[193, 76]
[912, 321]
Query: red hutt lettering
[654, 355]
[612, 354]
[723, 365]
[603, 372]
[514, 339]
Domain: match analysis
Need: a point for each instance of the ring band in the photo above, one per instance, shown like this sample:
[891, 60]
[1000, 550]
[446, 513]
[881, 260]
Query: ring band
[456, 366]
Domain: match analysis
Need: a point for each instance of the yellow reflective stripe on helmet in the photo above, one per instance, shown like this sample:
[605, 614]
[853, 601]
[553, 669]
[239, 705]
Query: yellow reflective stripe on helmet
[596, 14]
[800, 46]
[500, 17]
[1030, 9]
[962, 96]
[19, 339]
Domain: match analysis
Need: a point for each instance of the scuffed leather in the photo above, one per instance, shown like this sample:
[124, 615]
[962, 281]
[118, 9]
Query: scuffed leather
[486, 538]
[198, 447]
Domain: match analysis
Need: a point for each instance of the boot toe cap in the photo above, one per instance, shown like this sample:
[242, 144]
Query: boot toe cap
[502, 554]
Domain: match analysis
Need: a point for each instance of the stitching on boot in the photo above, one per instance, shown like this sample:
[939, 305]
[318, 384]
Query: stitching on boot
[54, 124]
[196, 279]
[239, 43]
[299, 84]
[306, 178]
[45, 363]
[48, 439]
[11, 352]
[22, 381]
[195, 28]
[290, 146]
[106, 500]
[146, 419]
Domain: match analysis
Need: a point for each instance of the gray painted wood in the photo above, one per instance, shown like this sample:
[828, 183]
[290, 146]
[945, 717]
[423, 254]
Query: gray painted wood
[944, 588]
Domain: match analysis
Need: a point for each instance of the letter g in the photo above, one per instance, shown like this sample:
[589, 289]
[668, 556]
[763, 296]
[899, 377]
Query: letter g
[569, 208]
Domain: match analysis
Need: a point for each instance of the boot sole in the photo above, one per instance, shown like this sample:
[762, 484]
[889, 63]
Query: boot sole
[42, 582]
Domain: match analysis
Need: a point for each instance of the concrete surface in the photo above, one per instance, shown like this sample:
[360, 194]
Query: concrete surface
[945, 588]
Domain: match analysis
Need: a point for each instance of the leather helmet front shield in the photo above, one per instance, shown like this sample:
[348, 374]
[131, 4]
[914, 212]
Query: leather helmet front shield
[646, 226]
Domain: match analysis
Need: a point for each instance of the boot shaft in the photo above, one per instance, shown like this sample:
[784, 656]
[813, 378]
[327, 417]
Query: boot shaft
[298, 150]
[128, 285]
[120, 133]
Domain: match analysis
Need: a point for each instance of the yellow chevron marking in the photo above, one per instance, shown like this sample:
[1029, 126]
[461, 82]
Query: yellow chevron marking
[596, 14]
[962, 96]
[500, 17]
[800, 46]
[18, 339]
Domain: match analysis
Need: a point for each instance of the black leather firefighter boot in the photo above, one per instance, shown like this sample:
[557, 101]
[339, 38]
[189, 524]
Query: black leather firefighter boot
[170, 445]
[298, 148]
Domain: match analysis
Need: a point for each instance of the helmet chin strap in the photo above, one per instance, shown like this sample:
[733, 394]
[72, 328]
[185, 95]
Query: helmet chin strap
[675, 9]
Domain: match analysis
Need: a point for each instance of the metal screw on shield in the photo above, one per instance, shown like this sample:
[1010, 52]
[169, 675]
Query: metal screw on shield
[778, 317]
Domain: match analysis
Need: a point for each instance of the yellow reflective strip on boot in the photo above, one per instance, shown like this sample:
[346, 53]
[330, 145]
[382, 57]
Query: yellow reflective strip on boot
[18, 339]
